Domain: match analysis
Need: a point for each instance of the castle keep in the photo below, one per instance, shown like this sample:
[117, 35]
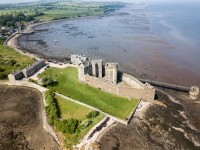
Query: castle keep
[95, 68]
[106, 76]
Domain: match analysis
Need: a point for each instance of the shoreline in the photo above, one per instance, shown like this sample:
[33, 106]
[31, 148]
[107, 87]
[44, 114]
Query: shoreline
[13, 43]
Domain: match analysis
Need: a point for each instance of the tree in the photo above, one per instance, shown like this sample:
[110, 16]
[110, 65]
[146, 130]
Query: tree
[47, 81]
[92, 114]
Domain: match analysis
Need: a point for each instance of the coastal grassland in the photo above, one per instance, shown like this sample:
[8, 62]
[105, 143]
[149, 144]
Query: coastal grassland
[56, 10]
[69, 85]
[69, 110]
[70, 11]
[11, 60]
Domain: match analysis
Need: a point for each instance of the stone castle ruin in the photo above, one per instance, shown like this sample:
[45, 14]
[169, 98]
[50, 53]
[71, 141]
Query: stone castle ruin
[106, 76]
[111, 70]
[95, 68]
[194, 92]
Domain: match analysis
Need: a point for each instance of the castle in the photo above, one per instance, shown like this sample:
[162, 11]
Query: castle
[106, 76]
[95, 68]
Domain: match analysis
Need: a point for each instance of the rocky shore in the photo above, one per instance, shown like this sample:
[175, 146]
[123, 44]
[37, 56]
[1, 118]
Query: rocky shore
[165, 124]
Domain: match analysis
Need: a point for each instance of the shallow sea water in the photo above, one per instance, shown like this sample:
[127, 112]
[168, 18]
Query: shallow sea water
[142, 38]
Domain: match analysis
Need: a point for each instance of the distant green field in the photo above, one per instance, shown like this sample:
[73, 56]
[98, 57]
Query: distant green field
[12, 11]
[69, 85]
[10, 60]
[72, 110]
[57, 10]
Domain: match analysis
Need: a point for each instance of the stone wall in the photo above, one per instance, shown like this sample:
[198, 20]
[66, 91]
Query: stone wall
[131, 81]
[128, 92]
[98, 83]
[144, 94]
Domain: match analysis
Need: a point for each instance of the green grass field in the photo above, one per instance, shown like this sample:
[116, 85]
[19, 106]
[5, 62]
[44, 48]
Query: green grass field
[57, 10]
[69, 85]
[72, 110]
[10, 60]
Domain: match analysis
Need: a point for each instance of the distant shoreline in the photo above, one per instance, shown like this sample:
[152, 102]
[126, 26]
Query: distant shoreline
[13, 42]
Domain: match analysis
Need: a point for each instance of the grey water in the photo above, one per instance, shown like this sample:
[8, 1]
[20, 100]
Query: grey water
[156, 40]
[178, 23]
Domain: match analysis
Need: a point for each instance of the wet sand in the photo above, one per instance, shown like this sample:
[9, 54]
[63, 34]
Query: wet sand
[21, 125]
[157, 127]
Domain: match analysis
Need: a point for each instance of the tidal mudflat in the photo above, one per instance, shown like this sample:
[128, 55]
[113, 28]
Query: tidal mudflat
[21, 125]
[131, 36]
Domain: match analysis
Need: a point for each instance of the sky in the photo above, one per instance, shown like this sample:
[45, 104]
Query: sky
[19, 1]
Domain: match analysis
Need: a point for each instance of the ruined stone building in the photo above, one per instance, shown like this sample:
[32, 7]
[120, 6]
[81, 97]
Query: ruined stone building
[105, 76]
[17, 75]
[95, 68]
[27, 72]
[32, 69]
[111, 72]
[78, 59]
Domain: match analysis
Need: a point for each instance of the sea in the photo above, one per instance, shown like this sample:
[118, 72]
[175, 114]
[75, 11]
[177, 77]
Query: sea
[179, 24]
[158, 41]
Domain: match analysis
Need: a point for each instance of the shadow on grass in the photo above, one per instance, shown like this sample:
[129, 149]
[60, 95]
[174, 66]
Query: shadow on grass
[55, 83]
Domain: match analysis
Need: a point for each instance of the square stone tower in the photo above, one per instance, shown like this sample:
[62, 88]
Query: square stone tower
[111, 70]
[97, 68]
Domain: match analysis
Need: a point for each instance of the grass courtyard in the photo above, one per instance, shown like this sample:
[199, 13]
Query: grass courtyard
[72, 110]
[10, 60]
[69, 85]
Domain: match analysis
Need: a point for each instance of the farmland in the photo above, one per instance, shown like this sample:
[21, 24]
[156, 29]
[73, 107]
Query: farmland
[59, 10]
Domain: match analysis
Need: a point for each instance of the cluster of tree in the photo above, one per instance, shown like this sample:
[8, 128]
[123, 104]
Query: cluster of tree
[47, 80]
[69, 126]
[92, 114]
[111, 7]
[10, 20]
